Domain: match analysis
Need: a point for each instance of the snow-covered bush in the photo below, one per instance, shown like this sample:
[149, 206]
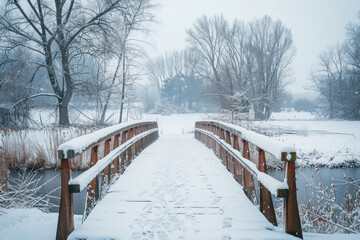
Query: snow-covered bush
[323, 213]
[23, 192]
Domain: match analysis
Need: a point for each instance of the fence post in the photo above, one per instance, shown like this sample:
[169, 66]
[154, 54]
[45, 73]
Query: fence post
[227, 155]
[249, 186]
[266, 203]
[237, 165]
[107, 170]
[92, 190]
[222, 150]
[292, 217]
[123, 155]
[116, 161]
[66, 213]
[129, 151]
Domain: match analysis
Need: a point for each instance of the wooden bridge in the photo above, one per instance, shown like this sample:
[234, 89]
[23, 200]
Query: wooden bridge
[177, 188]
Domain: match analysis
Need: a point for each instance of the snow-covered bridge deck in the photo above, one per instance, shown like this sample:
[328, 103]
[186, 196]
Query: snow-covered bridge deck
[176, 189]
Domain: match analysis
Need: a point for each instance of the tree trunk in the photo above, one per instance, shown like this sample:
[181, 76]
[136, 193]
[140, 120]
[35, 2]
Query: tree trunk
[63, 114]
[107, 100]
[123, 89]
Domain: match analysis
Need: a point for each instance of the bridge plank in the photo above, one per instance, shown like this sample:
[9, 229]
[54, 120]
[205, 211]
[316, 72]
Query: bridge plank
[176, 189]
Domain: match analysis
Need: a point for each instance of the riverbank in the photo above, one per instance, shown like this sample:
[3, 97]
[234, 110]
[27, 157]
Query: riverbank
[320, 143]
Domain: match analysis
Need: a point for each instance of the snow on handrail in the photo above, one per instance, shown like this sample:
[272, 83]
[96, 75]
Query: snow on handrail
[275, 186]
[266, 143]
[83, 180]
[78, 145]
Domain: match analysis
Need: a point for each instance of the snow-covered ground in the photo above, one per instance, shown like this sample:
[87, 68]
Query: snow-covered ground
[328, 143]
[28, 224]
[334, 143]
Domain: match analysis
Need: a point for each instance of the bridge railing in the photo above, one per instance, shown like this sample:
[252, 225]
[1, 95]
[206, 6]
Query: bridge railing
[129, 139]
[227, 140]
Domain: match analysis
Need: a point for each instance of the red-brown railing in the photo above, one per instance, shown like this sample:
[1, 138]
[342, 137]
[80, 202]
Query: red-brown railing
[134, 138]
[227, 140]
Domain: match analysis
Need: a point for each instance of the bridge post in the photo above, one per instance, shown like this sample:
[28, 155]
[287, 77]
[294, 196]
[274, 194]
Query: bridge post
[116, 161]
[107, 170]
[133, 146]
[292, 217]
[141, 144]
[66, 213]
[123, 155]
[249, 186]
[222, 150]
[266, 203]
[237, 165]
[217, 132]
[129, 151]
[92, 190]
[227, 155]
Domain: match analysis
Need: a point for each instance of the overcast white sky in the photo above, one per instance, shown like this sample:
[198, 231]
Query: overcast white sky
[315, 24]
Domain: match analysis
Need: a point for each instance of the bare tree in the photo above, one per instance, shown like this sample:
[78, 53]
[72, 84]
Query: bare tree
[247, 64]
[273, 50]
[206, 37]
[177, 62]
[52, 30]
[134, 19]
[337, 78]
[329, 81]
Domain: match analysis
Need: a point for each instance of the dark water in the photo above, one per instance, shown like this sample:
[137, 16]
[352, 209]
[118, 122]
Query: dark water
[304, 194]
[45, 176]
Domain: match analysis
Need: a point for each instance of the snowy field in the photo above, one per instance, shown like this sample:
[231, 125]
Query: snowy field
[328, 143]
[323, 143]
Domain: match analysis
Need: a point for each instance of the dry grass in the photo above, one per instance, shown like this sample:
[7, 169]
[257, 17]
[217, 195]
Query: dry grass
[38, 148]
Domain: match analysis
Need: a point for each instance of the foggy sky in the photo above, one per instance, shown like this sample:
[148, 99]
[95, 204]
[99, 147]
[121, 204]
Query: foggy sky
[315, 25]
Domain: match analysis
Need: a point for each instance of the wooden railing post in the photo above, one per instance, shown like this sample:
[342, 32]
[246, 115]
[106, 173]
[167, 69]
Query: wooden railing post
[249, 186]
[266, 203]
[123, 155]
[93, 188]
[227, 155]
[107, 170]
[66, 213]
[222, 150]
[133, 151]
[292, 217]
[237, 166]
[116, 161]
[129, 151]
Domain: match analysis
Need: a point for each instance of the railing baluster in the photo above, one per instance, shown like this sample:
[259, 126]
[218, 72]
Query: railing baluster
[237, 166]
[129, 152]
[292, 218]
[266, 203]
[222, 150]
[91, 197]
[249, 186]
[66, 213]
[116, 166]
[107, 170]
[227, 155]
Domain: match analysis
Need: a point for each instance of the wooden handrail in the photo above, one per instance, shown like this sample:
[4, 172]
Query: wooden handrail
[224, 139]
[134, 138]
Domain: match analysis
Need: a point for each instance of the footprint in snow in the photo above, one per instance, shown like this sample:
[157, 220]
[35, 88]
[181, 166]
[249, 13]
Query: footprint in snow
[227, 222]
